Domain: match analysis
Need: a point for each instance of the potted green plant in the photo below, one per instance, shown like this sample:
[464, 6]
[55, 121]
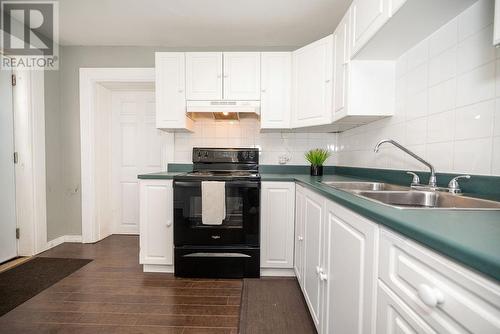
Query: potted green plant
[316, 158]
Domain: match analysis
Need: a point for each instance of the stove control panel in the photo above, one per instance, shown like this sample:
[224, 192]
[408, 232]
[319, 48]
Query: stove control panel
[225, 155]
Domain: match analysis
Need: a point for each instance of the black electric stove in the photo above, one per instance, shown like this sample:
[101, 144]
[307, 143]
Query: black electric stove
[231, 249]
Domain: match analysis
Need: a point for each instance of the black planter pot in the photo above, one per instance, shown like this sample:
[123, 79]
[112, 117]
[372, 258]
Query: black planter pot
[316, 170]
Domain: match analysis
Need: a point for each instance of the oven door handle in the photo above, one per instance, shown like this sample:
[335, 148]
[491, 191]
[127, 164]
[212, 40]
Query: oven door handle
[187, 184]
[241, 184]
[214, 254]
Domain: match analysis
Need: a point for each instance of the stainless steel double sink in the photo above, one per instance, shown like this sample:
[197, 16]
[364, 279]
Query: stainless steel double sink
[406, 198]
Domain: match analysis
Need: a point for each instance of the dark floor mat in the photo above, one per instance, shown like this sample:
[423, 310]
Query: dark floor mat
[274, 305]
[23, 282]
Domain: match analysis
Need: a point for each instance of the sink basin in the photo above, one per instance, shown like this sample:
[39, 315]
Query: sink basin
[354, 186]
[413, 199]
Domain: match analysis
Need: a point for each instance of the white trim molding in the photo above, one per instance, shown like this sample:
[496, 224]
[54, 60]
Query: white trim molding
[62, 239]
[89, 78]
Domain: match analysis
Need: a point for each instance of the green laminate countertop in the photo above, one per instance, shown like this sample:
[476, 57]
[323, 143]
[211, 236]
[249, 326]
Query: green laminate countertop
[158, 176]
[469, 237]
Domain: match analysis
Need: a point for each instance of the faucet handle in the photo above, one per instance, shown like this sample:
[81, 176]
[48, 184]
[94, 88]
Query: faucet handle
[453, 185]
[416, 180]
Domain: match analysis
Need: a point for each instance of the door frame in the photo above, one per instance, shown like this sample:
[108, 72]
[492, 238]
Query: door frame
[89, 79]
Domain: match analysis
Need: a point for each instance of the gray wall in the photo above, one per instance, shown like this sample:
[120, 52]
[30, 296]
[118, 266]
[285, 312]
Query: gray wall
[63, 143]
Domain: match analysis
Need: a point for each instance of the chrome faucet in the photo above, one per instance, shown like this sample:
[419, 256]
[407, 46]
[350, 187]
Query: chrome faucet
[432, 178]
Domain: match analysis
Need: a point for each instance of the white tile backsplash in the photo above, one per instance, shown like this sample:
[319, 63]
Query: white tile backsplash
[246, 133]
[443, 66]
[444, 38]
[476, 85]
[475, 121]
[447, 103]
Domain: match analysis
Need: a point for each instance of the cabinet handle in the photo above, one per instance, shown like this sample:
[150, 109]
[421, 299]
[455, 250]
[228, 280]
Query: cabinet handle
[430, 296]
[300, 238]
[318, 270]
[226, 75]
[169, 223]
[322, 276]
[263, 91]
[327, 81]
[181, 90]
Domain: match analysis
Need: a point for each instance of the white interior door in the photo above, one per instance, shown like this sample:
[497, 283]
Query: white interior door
[8, 246]
[137, 148]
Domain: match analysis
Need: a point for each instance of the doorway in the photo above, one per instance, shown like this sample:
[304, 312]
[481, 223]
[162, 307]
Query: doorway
[137, 147]
[8, 242]
[119, 140]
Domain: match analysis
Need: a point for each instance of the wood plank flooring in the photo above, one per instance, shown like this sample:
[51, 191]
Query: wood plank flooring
[113, 295]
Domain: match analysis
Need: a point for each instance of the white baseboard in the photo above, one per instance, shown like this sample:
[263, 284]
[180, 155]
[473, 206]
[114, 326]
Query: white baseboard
[62, 239]
[283, 272]
[157, 268]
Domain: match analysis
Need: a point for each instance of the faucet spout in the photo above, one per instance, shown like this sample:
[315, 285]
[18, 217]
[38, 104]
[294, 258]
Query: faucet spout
[432, 178]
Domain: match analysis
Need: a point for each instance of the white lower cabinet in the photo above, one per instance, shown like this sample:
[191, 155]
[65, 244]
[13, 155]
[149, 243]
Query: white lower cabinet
[394, 317]
[349, 269]
[156, 225]
[446, 296]
[314, 206]
[335, 262]
[298, 263]
[277, 224]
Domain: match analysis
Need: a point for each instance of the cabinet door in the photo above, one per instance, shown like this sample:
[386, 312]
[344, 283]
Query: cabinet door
[368, 17]
[341, 66]
[312, 83]
[204, 75]
[170, 91]
[277, 224]
[313, 208]
[242, 75]
[394, 317]
[275, 111]
[352, 257]
[299, 234]
[156, 222]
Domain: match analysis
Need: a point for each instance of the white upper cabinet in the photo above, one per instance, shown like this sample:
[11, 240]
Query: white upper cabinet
[312, 83]
[204, 75]
[341, 63]
[368, 17]
[170, 92]
[241, 75]
[275, 105]
[277, 224]
[223, 76]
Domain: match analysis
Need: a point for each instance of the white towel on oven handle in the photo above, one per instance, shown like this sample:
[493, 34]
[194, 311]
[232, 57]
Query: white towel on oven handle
[213, 202]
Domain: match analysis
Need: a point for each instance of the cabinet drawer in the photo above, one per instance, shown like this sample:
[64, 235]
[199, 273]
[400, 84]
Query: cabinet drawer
[394, 316]
[447, 296]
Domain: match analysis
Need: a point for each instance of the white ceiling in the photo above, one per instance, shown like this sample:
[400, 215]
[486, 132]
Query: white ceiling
[198, 23]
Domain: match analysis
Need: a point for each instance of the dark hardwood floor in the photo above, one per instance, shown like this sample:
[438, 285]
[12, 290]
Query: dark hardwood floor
[112, 295]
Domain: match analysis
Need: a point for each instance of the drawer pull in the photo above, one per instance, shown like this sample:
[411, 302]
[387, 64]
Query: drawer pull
[322, 276]
[430, 296]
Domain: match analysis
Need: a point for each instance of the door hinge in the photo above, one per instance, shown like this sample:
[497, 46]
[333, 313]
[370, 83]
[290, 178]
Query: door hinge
[17, 233]
[13, 80]
[16, 157]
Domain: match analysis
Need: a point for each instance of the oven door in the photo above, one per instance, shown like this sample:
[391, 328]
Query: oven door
[240, 227]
